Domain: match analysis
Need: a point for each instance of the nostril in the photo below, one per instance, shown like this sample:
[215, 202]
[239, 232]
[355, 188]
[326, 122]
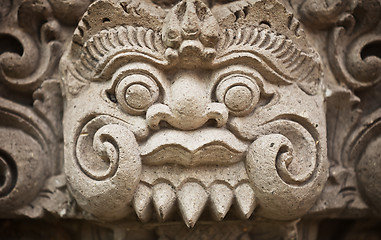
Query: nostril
[158, 115]
[211, 123]
[164, 125]
[218, 113]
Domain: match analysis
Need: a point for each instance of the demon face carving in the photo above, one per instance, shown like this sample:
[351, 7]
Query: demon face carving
[193, 106]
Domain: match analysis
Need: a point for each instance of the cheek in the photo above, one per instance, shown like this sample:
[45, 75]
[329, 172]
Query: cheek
[287, 102]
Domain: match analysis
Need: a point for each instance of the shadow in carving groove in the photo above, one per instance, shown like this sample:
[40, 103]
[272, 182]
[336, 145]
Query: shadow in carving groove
[372, 49]
[53, 230]
[8, 173]
[350, 229]
[10, 44]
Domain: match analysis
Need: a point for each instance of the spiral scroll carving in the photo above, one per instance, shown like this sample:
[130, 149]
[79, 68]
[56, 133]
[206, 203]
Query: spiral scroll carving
[354, 38]
[106, 168]
[24, 154]
[286, 170]
[285, 159]
[38, 51]
[359, 65]
[365, 154]
[31, 43]
[22, 173]
[8, 174]
[100, 162]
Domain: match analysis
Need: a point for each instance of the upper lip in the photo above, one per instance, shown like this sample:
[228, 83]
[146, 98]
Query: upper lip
[188, 148]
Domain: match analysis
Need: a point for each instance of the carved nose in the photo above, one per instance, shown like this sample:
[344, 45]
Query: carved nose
[185, 121]
[188, 105]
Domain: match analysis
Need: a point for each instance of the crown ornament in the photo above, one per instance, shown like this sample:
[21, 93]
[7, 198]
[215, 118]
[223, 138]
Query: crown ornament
[190, 32]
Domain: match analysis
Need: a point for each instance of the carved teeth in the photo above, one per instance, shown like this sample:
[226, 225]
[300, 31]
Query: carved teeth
[221, 198]
[164, 198]
[245, 200]
[142, 202]
[192, 199]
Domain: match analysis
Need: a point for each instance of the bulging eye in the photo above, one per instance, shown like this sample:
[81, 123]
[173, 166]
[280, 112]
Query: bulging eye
[136, 92]
[239, 93]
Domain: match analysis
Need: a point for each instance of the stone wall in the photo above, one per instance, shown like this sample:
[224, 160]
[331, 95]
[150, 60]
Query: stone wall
[127, 119]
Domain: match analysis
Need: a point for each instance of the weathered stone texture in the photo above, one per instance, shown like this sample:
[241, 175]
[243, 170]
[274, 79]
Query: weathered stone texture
[190, 119]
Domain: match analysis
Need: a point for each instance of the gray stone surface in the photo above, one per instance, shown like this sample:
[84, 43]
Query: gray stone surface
[190, 119]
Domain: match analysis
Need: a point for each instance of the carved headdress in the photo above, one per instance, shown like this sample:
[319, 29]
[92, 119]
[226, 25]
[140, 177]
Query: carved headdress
[191, 35]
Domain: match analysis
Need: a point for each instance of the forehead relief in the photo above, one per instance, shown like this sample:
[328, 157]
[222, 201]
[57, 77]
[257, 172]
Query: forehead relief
[192, 35]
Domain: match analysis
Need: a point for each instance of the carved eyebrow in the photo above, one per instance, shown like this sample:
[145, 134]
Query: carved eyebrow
[272, 52]
[111, 47]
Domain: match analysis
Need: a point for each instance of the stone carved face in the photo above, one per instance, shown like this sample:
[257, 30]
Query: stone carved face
[193, 107]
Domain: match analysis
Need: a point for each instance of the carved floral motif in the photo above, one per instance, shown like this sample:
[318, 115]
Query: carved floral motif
[352, 55]
[354, 37]
[30, 108]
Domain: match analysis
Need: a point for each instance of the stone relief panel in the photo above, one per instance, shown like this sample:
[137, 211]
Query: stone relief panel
[352, 58]
[31, 44]
[353, 37]
[242, 119]
[193, 107]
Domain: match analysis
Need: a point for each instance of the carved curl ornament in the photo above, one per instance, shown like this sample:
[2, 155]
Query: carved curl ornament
[207, 111]
[30, 107]
[353, 45]
[351, 55]
[193, 107]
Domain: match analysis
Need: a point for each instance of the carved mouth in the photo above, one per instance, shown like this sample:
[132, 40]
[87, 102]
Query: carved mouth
[191, 148]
